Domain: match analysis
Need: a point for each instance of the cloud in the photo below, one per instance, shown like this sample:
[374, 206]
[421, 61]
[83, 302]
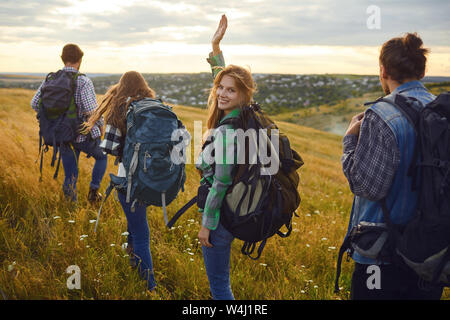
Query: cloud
[273, 22]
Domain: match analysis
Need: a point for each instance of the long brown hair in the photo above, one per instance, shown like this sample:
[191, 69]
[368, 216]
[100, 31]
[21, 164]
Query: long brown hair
[404, 57]
[114, 105]
[246, 87]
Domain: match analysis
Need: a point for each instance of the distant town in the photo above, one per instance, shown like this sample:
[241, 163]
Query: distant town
[276, 92]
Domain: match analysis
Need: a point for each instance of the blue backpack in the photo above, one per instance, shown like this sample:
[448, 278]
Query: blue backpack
[153, 175]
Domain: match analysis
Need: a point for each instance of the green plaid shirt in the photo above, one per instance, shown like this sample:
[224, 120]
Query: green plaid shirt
[217, 63]
[222, 177]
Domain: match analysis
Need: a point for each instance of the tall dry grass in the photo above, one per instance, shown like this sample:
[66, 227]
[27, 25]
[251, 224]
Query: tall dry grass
[41, 235]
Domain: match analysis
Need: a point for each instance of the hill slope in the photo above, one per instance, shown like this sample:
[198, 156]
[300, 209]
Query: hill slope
[41, 235]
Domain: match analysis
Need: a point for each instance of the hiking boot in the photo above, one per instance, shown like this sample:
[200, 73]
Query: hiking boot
[94, 197]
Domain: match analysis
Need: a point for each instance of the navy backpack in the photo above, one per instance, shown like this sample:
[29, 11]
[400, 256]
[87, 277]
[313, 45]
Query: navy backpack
[57, 115]
[155, 172]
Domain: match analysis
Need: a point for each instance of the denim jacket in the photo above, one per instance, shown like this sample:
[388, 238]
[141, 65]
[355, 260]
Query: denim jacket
[401, 201]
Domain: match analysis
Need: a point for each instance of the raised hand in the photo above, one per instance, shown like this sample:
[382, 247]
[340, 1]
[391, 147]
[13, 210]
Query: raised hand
[218, 35]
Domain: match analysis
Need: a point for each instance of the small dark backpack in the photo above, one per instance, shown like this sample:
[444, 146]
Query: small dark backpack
[257, 205]
[423, 244]
[57, 115]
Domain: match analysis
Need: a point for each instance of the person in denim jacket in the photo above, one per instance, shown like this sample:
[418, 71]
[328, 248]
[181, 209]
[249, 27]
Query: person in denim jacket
[378, 148]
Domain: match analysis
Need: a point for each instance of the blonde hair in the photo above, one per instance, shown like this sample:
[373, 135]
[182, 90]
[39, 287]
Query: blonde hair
[114, 105]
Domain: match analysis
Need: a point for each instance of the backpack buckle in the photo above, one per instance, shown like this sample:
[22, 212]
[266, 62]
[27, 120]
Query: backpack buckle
[441, 163]
[349, 254]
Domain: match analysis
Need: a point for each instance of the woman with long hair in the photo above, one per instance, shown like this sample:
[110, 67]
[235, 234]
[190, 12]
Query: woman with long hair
[113, 107]
[233, 89]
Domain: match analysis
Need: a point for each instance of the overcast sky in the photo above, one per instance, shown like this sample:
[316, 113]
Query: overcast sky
[284, 36]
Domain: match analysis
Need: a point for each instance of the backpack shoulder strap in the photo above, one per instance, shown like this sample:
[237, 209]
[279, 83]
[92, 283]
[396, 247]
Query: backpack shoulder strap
[180, 212]
[234, 122]
[406, 106]
[49, 76]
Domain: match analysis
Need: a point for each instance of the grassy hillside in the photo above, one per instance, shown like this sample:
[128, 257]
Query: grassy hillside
[41, 235]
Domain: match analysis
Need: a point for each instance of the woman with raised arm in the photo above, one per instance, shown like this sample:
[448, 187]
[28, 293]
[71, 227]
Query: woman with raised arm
[233, 89]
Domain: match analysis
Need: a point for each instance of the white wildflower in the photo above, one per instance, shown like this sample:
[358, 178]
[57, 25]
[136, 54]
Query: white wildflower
[11, 266]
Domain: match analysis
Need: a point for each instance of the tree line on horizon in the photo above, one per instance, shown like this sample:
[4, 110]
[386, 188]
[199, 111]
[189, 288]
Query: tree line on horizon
[277, 93]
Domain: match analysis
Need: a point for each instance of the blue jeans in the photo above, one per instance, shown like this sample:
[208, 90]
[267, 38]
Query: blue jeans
[139, 239]
[217, 263]
[70, 158]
